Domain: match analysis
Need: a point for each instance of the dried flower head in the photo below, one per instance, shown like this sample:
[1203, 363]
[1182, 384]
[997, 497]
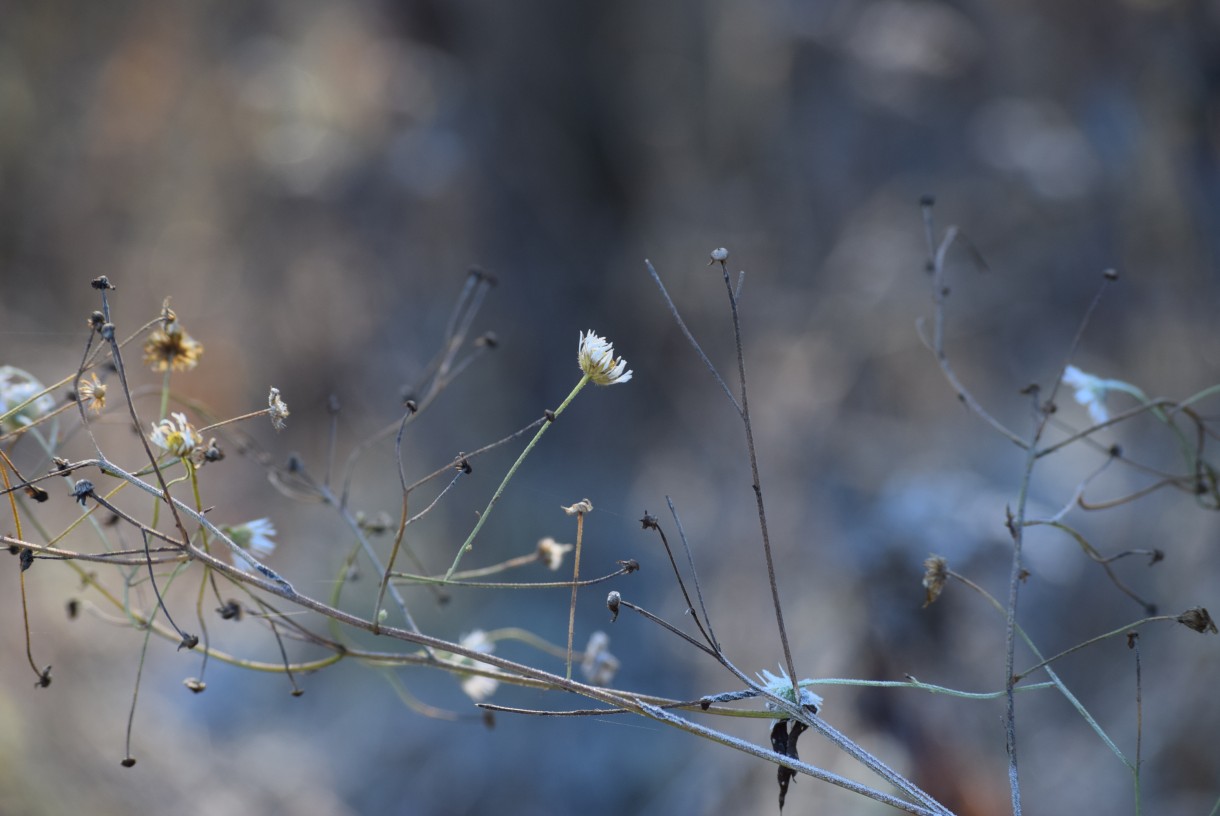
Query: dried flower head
[719, 255]
[935, 575]
[597, 360]
[475, 686]
[1199, 620]
[169, 346]
[254, 536]
[277, 409]
[175, 435]
[551, 552]
[582, 506]
[598, 665]
[92, 393]
[19, 388]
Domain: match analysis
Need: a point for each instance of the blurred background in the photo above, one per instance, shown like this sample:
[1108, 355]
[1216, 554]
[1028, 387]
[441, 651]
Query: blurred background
[310, 181]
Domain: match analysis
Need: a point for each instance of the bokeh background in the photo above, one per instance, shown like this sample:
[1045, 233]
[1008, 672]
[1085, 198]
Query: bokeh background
[310, 181]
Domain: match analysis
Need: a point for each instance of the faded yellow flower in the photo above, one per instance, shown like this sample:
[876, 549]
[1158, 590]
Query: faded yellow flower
[92, 393]
[170, 347]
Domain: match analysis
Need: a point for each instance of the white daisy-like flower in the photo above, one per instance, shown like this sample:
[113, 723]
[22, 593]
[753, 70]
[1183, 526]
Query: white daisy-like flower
[475, 686]
[1090, 392]
[17, 386]
[277, 408]
[254, 536]
[781, 686]
[551, 552]
[175, 435]
[597, 360]
[598, 665]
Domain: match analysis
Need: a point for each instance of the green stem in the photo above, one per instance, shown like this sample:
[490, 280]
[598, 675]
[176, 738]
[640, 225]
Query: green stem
[467, 546]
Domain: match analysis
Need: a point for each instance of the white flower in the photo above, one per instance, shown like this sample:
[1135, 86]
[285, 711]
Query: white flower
[598, 665]
[781, 686]
[180, 439]
[1091, 391]
[254, 536]
[477, 687]
[277, 408]
[597, 360]
[17, 386]
[551, 551]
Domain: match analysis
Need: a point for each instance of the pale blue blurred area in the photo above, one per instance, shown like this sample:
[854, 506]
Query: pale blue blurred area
[310, 182]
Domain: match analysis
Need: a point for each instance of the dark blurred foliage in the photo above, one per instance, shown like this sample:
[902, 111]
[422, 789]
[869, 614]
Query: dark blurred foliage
[309, 182]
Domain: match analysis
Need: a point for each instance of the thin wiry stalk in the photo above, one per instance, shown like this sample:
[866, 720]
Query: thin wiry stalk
[649, 521]
[758, 492]
[743, 411]
[690, 559]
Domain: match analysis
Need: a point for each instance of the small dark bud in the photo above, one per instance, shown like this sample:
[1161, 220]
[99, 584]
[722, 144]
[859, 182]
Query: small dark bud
[96, 320]
[1023, 575]
[411, 405]
[82, 490]
[927, 200]
[1110, 274]
[612, 603]
[101, 282]
[13, 549]
[630, 565]
[36, 493]
[1116, 451]
[295, 465]
[1131, 638]
[107, 333]
[1032, 388]
[129, 762]
[73, 607]
[649, 521]
[112, 520]
[296, 692]
[489, 339]
[195, 684]
[230, 611]
[1198, 619]
[489, 719]
[26, 558]
[464, 466]
[188, 642]
[1157, 555]
[705, 704]
[213, 452]
[44, 679]
[549, 414]
[60, 464]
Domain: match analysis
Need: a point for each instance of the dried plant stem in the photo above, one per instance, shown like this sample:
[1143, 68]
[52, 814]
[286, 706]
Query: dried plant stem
[468, 544]
[580, 532]
[743, 411]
